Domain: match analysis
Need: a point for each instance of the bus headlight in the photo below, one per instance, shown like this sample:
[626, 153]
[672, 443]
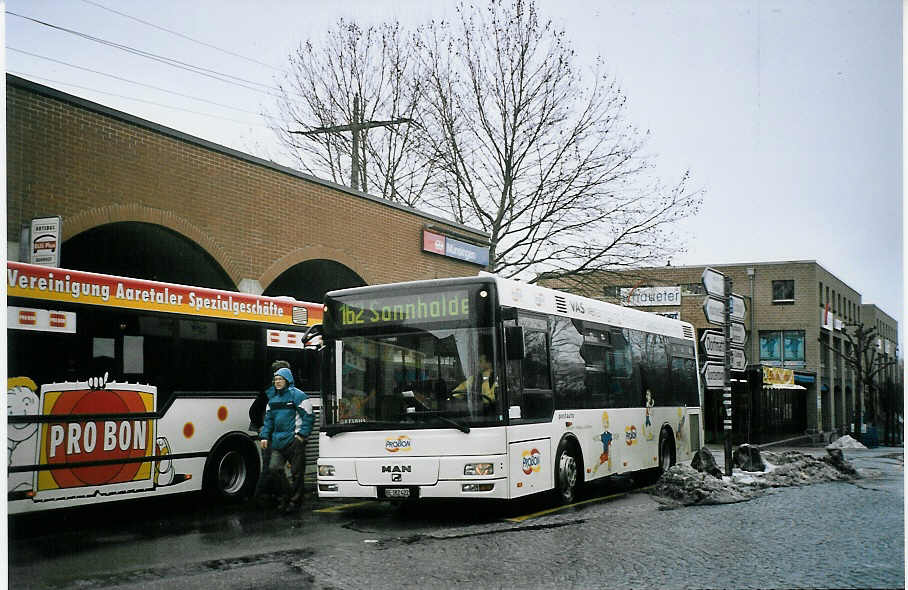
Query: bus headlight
[478, 469]
[326, 470]
[477, 487]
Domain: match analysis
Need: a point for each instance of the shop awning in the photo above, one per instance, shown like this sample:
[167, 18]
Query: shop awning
[783, 386]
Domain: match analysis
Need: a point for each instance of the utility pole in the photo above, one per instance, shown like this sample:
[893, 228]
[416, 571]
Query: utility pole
[357, 126]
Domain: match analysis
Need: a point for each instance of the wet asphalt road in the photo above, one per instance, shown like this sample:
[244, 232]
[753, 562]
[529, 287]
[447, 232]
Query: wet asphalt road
[822, 535]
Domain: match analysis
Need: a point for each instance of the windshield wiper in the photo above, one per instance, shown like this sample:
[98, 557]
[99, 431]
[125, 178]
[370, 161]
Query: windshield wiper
[332, 429]
[465, 428]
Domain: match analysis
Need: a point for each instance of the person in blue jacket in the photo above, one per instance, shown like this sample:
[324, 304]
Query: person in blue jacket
[288, 421]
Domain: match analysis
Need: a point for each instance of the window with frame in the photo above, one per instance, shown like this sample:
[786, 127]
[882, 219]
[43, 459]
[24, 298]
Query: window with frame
[781, 346]
[783, 291]
[770, 346]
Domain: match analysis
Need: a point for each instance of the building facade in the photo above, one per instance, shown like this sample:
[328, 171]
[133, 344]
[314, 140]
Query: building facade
[142, 200]
[796, 321]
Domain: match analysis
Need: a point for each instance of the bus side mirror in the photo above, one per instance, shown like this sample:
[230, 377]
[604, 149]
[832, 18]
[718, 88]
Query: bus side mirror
[515, 347]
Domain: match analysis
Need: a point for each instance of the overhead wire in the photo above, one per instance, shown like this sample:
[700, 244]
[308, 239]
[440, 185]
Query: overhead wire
[220, 76]
[44, 57]
[181, 35]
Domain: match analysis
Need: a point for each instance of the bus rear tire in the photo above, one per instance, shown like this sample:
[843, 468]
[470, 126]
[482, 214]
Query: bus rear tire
[232, 471]
[567, 473]
[666, 451]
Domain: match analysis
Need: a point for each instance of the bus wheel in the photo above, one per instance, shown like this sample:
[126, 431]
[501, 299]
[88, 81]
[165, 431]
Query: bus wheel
[567, 475]
[232, 472]
[666, 451]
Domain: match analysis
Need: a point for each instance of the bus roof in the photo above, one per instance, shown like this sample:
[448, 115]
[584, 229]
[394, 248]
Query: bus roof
[512, 293]
[45, 283]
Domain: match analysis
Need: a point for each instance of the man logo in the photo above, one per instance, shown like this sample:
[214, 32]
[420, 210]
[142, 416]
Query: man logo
[397, 477]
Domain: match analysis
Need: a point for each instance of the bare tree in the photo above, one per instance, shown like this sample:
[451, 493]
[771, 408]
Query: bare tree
[863, 356]
[538, 155]
[357, 79]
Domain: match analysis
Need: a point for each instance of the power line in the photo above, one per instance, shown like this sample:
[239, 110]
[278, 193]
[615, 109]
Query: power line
[160, 58]
[181, 35]
[139, 100]
[129, 81]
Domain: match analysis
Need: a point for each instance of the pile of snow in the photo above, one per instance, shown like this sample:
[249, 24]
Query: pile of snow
[683, 486]
[846, 442]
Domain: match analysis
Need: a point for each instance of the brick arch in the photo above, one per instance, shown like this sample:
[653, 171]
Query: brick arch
[91, 218]
[314, 252]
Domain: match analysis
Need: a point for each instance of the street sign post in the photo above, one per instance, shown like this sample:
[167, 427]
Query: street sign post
[737, 334]
[714, 310]
[713, 343]
[738, 309]
[723, 308]
[713, 375]
[714, 282]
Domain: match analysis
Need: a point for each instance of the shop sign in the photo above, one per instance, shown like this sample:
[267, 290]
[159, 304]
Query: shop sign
[778, 376]
[651, 296]
[45, 241]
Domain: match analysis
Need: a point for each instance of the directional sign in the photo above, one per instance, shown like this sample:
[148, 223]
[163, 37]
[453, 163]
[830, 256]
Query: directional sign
[714, 282]
[714, 310]
[713, 375]
[737, 358]
[737, 334]
[713, 343]
[738, 307]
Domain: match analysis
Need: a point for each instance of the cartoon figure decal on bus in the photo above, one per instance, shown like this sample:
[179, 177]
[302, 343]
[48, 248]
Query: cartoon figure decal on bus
[22, 439]
[682, 418]
[648, 423]
[606, 439]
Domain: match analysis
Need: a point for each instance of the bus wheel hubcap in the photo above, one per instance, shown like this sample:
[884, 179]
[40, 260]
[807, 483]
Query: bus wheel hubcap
[232, 472]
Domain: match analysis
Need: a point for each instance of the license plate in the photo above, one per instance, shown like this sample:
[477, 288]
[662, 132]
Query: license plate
[397, 492]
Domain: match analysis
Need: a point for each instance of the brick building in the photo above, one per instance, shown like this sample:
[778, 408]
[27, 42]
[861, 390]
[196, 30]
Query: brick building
[142, 200]
[788, 326]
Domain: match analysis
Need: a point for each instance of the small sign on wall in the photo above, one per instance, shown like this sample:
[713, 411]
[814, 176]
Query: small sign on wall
[44, 240]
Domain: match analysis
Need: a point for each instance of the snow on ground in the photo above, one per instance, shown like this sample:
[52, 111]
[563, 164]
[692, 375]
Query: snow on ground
[683, 486]
[846, 442]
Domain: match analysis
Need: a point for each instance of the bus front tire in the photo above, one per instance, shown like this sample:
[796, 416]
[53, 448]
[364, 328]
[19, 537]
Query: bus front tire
[666, 451]
[232, 471]
[567, 475]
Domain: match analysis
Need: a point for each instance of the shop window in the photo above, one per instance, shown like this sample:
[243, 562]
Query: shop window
[793, 345]
[770, 346]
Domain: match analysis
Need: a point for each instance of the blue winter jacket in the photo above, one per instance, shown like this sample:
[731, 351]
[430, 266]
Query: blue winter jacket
[289, 413]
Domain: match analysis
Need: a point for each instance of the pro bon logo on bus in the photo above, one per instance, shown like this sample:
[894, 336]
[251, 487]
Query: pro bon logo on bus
[531, 461]
[108, 452]
[401, 443]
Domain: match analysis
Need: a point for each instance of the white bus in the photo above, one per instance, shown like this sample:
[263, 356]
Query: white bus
[489, 388]
[121, 388]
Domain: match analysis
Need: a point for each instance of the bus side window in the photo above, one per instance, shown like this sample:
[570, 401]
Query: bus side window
[568, 365]
[529, 378]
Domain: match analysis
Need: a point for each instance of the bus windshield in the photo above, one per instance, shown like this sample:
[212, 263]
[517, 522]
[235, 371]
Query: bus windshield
[433, 378]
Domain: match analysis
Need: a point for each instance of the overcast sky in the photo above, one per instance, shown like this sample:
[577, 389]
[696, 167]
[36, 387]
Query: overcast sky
[788, 112]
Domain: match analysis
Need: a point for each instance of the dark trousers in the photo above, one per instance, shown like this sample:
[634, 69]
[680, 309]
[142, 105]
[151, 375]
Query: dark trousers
[274, 477]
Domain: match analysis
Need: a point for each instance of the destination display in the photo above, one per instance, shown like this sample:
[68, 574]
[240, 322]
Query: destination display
[404, 309]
